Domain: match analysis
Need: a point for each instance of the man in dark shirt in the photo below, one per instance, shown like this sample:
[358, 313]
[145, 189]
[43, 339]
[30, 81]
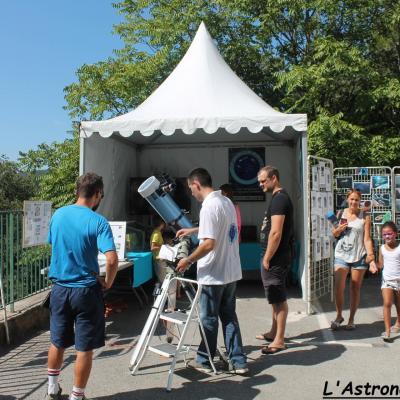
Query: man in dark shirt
[276, 238]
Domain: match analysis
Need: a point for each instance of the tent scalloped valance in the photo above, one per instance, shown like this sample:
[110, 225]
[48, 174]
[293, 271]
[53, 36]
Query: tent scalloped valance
[202, 93]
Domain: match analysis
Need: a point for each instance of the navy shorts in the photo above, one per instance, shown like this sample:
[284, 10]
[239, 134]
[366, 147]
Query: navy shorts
[274, 282]
[77, 317]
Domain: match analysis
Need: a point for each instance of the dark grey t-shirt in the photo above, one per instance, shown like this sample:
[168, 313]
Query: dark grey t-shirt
[280, 205]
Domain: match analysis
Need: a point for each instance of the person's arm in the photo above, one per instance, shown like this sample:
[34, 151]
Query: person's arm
[379, 264]
[203, 249]
[239, 219]
[111, 269]
[369, 245]
[155, 246]
[186, 232]
[274, 238]
[336, 232]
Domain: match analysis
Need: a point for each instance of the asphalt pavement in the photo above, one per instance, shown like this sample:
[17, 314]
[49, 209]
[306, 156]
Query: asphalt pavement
[318, 364]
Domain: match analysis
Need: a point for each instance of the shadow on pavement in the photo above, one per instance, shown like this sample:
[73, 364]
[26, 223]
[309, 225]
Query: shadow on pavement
[219, 387]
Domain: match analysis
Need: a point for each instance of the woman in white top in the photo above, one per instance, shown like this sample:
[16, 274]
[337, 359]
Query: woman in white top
[389, 259]
[354, 251]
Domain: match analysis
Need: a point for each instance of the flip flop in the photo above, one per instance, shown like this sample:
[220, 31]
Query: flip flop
[336, 324]
[263, 336]
[272, 350]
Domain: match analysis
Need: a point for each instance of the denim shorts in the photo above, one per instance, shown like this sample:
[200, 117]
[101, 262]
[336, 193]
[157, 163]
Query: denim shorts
[393, 284]
[77, 317]
[360, 264]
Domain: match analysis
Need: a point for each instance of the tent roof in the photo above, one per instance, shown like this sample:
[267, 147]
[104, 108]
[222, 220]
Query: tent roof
[202, 93]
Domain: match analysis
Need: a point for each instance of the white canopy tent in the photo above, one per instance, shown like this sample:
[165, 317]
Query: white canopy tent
[202, 109]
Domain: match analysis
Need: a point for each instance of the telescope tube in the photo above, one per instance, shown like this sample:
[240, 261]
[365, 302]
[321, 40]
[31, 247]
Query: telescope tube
[164, 205]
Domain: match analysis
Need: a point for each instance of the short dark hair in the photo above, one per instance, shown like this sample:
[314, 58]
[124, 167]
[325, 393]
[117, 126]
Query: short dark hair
[228, 189]
[391, 225]
[270, 171]
[201, 175]
[88, 185]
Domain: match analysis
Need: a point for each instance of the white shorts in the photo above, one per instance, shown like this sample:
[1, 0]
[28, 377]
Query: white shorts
[393, 284]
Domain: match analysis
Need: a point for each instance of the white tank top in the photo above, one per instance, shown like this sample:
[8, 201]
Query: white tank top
[391, 263]
[350, 247]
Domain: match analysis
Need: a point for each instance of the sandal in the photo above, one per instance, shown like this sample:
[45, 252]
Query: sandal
[350, 327]
[264, 336]
[386, 338]
[336, 324]
[272, 350]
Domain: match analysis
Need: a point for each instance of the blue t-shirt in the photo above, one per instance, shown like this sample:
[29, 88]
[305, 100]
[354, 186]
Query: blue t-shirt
[77, 234]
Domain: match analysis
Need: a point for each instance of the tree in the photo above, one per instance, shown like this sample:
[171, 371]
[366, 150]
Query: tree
[15, 186]
[58, 166]
[336, 60]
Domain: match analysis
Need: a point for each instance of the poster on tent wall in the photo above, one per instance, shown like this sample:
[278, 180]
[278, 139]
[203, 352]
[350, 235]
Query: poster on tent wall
[244, 165]
[36, 222]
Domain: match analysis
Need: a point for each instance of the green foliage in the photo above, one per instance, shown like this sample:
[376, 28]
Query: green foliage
[15, 186]
[58, 165]
[338, 61]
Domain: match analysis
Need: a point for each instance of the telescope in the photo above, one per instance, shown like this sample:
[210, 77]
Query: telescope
[156, 192]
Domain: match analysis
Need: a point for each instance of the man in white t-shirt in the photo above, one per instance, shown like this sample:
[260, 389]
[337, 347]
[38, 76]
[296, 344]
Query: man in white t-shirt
[218, 270]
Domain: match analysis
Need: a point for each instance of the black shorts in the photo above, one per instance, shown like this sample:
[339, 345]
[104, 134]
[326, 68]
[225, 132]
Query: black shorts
[274, 282]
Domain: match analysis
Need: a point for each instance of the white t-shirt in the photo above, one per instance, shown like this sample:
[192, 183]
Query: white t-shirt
[218, 221]
[391, 263]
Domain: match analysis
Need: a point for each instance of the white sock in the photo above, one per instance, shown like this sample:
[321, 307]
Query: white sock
[77, 393]
[52, 375]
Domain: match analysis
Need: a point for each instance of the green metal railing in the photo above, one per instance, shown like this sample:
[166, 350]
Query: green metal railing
[22, 269]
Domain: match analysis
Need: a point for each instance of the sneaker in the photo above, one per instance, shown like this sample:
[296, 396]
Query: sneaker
[205, 368]
[239, 370]
[56, 396]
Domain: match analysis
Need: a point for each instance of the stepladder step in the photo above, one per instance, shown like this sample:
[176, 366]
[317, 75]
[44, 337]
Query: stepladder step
[168, 350]
[177, 317]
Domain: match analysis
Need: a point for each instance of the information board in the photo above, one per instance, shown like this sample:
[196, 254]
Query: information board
[36, 222]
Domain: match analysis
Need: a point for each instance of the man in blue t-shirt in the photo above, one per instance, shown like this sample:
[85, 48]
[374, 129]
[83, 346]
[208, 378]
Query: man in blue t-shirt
[76, 235]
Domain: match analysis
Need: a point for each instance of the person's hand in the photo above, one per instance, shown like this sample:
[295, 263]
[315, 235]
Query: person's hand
[339, 230]
[183, 232]
[372, 267]
[102, 281]
[182, 265]
[104, 284]
[342, 227]
[265, 264]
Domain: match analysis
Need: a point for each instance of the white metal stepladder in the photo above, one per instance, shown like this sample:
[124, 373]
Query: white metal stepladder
[183, 319]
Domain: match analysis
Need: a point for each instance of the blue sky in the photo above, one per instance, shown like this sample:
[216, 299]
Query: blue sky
[42, 44]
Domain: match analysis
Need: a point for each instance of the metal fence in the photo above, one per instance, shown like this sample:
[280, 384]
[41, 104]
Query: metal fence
[22, 269]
